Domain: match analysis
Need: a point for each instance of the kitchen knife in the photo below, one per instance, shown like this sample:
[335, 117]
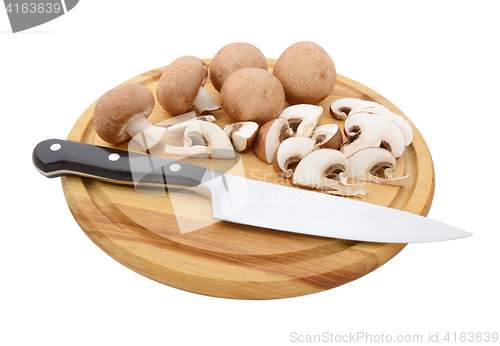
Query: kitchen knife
[245, 201]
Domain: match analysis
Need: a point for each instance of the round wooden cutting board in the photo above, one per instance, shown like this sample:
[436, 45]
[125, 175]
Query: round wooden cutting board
[222, 259]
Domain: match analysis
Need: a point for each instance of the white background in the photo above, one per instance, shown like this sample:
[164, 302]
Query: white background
[437, 61]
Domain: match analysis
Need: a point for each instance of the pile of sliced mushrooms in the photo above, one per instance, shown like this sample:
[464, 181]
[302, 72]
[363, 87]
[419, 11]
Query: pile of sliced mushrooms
[275, 115]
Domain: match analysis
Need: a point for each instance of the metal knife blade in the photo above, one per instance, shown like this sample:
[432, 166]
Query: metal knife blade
[309, 212]
[245, 201]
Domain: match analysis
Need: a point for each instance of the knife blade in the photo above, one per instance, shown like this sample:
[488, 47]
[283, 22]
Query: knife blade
[245, 201]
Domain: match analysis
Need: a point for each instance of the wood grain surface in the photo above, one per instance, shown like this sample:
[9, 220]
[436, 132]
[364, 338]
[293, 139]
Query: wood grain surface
[141, 230]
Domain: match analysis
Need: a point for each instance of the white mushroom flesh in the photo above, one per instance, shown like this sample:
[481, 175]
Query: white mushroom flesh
[365, 130]
[289, 152]
[204, 103]
[143, 132]
[399, 120]
[203, 139]
[242, 134]
[314, 169]
[341, 108]
[302, 118]
[365, 164]
[327, 136]
[178, 129]
[277, 133]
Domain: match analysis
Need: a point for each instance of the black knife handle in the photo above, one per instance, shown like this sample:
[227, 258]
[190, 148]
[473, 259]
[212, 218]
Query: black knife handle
[56, 157]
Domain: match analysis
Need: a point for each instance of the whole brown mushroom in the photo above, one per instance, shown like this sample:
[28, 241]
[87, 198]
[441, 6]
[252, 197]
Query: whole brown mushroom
[233, 57]
[181, 87]
[252, 94]
[306, 72]
[121, 114]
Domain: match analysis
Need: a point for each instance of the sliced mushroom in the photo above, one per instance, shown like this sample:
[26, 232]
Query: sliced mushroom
[181, 87]
[341, 108]
[289, 153]
[302, 118]
[242, 134]
[399, 120]
[269, 137]
[252, 94]
[327, 170]
[365, 130]
[327, 136]
[178, 129]
[367, 163]
[203, 139]
[232, 57]
[121, 114]
[306, 72]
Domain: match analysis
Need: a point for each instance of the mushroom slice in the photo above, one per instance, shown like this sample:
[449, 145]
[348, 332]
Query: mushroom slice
[269, 137]
[341, 108]
[203, 139]
[289, 153]
[399, 120]
[316, 168]
[121, 114]
[327, 136]
[365, 130]
[302, 118]
[242, 134]
[178, 129]
[365, 164]
[181, 87]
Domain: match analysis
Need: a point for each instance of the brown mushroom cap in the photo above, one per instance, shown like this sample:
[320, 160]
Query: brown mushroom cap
[252, 94]
[306, 72]
[233, 57]
[179, 84]
[269, 137]
[117, 107]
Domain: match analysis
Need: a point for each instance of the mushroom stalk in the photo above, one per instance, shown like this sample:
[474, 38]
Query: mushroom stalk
[181, 83]
[204, 103]
[121, 113]
[150, 134]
